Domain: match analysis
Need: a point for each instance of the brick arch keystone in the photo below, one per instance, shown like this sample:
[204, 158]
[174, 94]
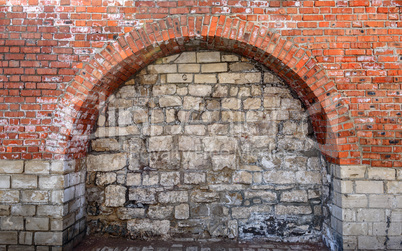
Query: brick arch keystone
[108, 69]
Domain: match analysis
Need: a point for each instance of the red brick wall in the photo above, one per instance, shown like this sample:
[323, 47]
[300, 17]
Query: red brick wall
[59, 59]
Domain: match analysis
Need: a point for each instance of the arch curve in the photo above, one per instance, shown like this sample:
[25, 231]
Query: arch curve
[78, 107]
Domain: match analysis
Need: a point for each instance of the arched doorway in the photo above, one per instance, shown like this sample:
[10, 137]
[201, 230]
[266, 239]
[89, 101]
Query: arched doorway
[206, 145]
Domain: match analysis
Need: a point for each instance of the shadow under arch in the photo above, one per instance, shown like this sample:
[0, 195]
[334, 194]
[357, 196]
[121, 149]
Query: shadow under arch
[78, 108]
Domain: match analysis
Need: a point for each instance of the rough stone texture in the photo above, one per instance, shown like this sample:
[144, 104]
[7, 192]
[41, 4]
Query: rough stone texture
[215, 153]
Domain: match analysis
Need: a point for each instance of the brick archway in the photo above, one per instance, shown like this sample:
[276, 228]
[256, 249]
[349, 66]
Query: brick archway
[131, 52]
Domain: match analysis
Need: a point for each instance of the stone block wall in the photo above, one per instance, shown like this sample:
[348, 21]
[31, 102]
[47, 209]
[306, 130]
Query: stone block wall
[205, 145]
[367, 207]
[42, 204]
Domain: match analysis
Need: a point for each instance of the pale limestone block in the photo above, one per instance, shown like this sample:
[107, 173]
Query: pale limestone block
[355, 228]
[193, 103]
[166, 89]
[252, 103]
[189, 68]
[173, 197]
[380, 200]
[233, 116]
[294, 196]
[229, 78]
[125, 117]
[289, 128]
[213, 104]
[230, 58]
[182, 90]
[217, 67]
[246, 212]
[396, 215]
[160, 143]
[290, 103]
[54, 211]
[370, 215]
[188, 143]
[343, 186]
[34, 196]
[371, 242]
[270, 78]
[152, 130]
[256, 90]
[219, 144]
[159, 212]
[142, 195]
[194, 178]
[245, 92]
[351, 172]
[158, 69]
[354, 200]
[200, 90]
[182, 211]
[279, 177]
[57, 196]
[265, 196]
[156, 227]
[103, 179]
[307, 177]
[233, 91]
[394, 187]
[292, 210]
[220, 91]
[180, 78]
[194, 160]
[106, 162]
[241, 66]
[168, 101]
[48, 238]
[12, 223]
[130, 213]
[169, 178]
[173, 129]
[13, 166]
[242, 177]
[103, 132]
[195, 129]
[51, 182]
[280, 115]
[210, 116]
[23, 210]
[37, 167]
[25, 238]
[157, 116]
[36, 223]
[5, 181]
[201, 196]
[208, 57]
[369, 186]
[115, 195]
[186, 57]
[205, 79]
[133, 179]
[272, 102]
[170, 115]
[105, 144]
[148, 79]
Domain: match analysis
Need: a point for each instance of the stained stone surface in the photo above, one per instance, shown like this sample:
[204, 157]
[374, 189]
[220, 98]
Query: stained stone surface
[202, 147]
[118, 244]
